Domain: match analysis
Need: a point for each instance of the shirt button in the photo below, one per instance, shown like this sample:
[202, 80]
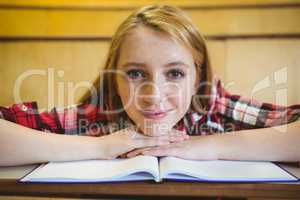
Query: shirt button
[24, 108]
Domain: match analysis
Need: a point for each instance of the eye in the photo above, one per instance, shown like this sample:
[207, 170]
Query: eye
[175, 74]
[135, 74]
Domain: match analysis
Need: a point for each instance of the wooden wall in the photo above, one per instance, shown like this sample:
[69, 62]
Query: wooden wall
[254, 46]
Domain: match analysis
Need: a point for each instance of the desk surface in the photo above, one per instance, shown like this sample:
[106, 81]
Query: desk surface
[10, 186]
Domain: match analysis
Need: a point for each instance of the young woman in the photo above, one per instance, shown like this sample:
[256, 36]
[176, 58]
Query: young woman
[155, 96]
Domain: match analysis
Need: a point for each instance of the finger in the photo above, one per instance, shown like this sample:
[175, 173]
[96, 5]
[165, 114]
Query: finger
[136, 152]
[158, 141]
[169, 138]
[172, 135]
[160, 152]
[150, 142]
[133, 153]
[162, 138]
[175, 137]
[177, 133]
[144, 141]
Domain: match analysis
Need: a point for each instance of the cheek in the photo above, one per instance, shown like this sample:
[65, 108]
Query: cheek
[123, 91]
[179, 95]
[127, 92]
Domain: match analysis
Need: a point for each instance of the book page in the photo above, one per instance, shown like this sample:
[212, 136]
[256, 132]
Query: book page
[137, 168]
[221, 170]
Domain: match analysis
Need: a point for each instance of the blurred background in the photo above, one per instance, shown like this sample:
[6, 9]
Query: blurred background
[51, 50]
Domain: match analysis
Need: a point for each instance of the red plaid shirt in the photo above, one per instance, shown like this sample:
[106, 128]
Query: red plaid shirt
[226, 113]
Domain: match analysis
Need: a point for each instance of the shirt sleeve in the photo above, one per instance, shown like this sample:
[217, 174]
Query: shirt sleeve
[84, 119]
[27, 114]
[248, 113]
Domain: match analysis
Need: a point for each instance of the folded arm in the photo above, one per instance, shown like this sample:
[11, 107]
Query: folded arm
[280, 143]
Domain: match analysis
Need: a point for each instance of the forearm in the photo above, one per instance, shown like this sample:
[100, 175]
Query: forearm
[21, 145]
[272, 144]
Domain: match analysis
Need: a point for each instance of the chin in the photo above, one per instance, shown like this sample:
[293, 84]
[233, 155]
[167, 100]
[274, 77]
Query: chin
[156, 128]
[153, 127]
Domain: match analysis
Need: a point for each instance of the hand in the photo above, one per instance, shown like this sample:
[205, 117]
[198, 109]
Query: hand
[128, 139]
[195, 148]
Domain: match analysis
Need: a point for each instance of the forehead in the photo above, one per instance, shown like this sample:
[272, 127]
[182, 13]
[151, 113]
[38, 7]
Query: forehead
[146, 45]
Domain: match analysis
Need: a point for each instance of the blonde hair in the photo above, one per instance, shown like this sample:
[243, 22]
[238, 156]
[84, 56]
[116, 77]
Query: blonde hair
[166, 19]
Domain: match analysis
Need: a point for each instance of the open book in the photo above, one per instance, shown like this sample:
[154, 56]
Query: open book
[152, 168]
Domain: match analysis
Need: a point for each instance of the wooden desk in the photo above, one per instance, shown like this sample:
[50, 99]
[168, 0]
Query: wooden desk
[11, 189]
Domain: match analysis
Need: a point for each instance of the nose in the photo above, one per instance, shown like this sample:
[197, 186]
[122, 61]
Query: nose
[152, 93]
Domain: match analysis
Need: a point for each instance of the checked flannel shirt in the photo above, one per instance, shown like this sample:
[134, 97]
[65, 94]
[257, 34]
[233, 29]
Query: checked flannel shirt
[227, 112]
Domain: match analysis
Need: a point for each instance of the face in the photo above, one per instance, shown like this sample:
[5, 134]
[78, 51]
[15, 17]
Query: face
[156, 80]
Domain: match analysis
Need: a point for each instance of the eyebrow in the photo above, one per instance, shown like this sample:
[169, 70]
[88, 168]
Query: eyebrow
[170, 64]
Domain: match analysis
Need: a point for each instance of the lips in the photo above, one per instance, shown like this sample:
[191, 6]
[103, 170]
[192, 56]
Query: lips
[155, 114]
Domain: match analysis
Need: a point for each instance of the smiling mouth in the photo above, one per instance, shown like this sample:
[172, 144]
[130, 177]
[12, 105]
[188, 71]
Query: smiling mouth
[156, 114]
